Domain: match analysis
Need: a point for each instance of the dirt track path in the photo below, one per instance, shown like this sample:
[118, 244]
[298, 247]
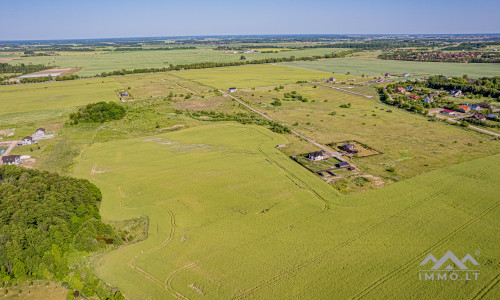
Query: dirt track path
[11, 147]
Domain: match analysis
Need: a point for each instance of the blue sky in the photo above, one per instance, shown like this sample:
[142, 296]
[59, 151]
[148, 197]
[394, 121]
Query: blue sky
[30, 19]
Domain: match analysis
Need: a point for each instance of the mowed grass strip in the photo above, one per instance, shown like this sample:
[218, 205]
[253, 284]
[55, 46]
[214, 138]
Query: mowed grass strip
[56, 95]
[232, 217]
[253, 76]
[376, 67]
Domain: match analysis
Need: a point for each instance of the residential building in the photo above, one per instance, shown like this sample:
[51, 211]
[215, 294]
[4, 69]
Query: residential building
[11, 159]
[27, 140]
[40, 132]
[343, 164]
[455, 93]
[317, 155]
[463, 109]
[332, 79]
[232, 90]
[478, 117]
[350, 148]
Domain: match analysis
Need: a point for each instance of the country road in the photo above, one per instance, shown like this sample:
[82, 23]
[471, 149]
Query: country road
[11, 146]
[335, 154]
[470, 126]
[333, 87]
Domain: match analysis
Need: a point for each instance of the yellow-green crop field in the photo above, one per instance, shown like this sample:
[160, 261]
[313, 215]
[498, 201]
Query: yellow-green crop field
[232, 217]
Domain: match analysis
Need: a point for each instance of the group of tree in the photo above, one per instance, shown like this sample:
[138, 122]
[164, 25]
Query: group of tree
[21, 68]
[486, 86]
[99, 112]
[443, 56]
[45, 216]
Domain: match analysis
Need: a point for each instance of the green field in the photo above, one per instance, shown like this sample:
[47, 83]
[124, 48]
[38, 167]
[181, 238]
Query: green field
[97, 63]
[376, 67]
[253, 76]
[232, 217]
[55, 95]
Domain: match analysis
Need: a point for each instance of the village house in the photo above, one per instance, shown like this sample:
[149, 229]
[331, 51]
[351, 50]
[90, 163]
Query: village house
[401, 90]
[232, 89]
[11, 159]
[27, 140]
[491, 116]
[349, 148]
[448, 112]
[387, 75]
[484, 105]
[409, 88]
[476, 106]
[413, 96]
[463, 109]
[478, 117]
[317, 155]
[40, 132]
[124, 94]
[332, 79]
[455, 93]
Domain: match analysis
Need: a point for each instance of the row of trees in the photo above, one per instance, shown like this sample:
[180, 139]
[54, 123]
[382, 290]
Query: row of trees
[21, 68]
[488, 87]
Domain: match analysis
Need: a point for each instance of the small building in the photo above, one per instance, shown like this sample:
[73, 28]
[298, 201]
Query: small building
[406, 74]
[401, 90]
[40, 132]
[232, 90]
[413, 96]
[491, 116]
[351, 168]
[124, 94]
[317, 155]
[387, 75]
[280, 146]
[455, 93]
[429, 99]
[343, 164]
[11, 159]
[332, 79]
[476, 106]
[448, 112]
[350, 148]
[409, 89]
[27, 140]
[478, 117]
[463, 109]
[484, 105]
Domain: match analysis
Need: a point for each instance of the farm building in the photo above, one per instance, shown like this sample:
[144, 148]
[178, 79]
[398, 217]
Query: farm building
[455, 93]
[478, 117]
[27, 140]
[11, 159]
[343, 164]
[332, 79]
[406, 74]
[317, 155]
[350, 148]
[448, 112]
[387, 75]
[232, 90]
[40, 132]
[463, 108]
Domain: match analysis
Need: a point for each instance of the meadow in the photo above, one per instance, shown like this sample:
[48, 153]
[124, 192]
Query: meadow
[377, 67]
[253, 76]
[55, 95]
[233, 217]
[98, 62]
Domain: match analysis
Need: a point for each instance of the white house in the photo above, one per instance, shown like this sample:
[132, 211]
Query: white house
[27, 140]
[11, 159]
[40, 132]
[232, 90]
[317, 155]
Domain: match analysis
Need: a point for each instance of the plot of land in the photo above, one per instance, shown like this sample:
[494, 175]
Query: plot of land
[49, 72]
[251, 223]
[376, 67]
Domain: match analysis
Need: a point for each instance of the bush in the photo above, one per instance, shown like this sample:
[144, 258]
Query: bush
[99, 112]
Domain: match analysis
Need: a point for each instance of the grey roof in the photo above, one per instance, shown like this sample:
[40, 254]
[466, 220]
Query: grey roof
[343, 163]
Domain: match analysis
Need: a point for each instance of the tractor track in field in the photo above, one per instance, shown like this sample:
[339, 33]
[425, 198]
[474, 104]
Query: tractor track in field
[296, 179]
[487, 288]
[317, 258]
[364, 292]
[145, 274]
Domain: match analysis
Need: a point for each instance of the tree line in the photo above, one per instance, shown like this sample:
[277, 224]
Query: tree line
[99, 112]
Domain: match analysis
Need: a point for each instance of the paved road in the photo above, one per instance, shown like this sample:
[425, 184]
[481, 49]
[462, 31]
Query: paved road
[335, 154]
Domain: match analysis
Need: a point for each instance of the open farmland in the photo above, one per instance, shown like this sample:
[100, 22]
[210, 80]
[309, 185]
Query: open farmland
[55, 95]
[377, 67]
[232, 217]
[252, 76]
[98, 62]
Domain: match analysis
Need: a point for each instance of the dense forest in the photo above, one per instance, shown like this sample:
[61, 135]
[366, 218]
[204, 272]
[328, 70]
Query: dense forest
[99, 112]
[489, 87]
[456, 57]
[43, 217]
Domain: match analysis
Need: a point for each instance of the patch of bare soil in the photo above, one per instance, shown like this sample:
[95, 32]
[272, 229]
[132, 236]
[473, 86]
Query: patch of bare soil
[28, 163]
[6, 59]
[173, 127]
[196, 289]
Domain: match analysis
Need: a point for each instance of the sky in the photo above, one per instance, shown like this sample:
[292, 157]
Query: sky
[75, 19]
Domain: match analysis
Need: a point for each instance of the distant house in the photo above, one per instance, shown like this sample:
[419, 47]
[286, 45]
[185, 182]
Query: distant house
[232, 90]
[484, 105]
[475, 106]
[124, 94]
[478, 117]
[387, 75]
[351, 168]
[409, 88]
[350, 148]
[332, 79]
[491, 116]
[463, 108]
[448, 112]
[406, 74]
[11, 159]
[429, 99]
[343, 164]
[280, 146]
[413, 96]
[455, 93]
[40, 132]
[400, 90]
[27, 140]
[317, 155]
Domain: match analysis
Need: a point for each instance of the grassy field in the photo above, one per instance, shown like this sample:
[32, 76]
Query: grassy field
[232, 217]
[55, 95]
[253, 76]
[376, 67]
[39, 290]
[96, 63]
